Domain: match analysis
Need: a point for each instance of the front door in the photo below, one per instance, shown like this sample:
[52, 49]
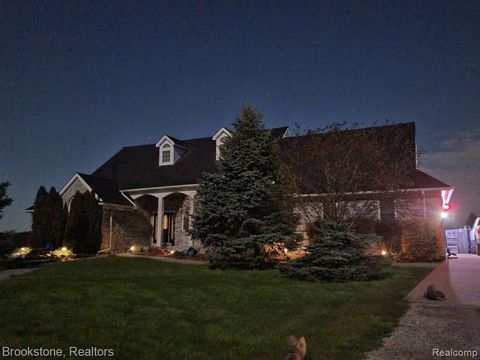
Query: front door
[168, 226]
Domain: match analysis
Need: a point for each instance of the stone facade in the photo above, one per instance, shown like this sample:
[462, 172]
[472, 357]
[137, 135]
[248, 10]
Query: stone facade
[129, 226]
[182, 225]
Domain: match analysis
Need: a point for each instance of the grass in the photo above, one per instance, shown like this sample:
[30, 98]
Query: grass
[146, 309]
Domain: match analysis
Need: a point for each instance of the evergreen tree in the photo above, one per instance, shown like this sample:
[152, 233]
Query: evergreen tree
[48, 219]
[40, 221]
[58, 218]
[335, 254]
[83, 229]
[241, 207]
[4, 199]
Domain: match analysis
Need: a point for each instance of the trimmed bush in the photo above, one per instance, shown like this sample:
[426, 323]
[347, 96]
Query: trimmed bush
[421, 241]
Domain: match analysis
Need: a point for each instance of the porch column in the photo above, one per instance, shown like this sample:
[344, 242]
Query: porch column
[159, 229]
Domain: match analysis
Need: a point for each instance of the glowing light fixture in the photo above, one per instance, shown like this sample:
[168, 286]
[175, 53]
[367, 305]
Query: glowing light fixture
[443, 215]
[172, 252]
[446, 196]
[384, 252]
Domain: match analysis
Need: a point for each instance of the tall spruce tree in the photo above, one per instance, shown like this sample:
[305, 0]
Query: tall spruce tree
[40, 221]
[241, 207]
[83, 229]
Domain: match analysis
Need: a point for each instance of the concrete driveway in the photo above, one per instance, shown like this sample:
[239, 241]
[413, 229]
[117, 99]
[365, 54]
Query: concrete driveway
[430, 327]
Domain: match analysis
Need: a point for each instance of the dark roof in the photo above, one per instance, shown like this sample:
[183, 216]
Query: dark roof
[424, 181]
[106, 189]
[137, 167]
[278, 132]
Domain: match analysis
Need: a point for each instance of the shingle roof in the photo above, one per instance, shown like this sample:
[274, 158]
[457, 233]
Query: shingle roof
[137, 167]
[423, 180]
[106, 189]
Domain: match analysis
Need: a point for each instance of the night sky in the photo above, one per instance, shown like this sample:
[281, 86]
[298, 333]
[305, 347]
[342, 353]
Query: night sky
[81, 79]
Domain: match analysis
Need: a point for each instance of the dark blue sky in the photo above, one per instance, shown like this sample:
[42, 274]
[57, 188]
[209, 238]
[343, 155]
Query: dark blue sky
[81, 79]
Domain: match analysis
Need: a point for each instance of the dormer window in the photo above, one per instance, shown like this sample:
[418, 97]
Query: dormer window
[170, 150]
[221, 143]
[166, 154]
[220, 138]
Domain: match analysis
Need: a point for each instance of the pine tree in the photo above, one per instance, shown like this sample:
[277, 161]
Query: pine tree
[241, 205]
[40, 221]
[4, 199]
[335, 254]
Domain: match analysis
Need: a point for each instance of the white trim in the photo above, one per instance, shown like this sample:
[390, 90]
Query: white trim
[76, 176]
[163, 150]
[287, 133]
[379, 192]
[221, 132]
[165, 138]
[170, 187]
[126, 197]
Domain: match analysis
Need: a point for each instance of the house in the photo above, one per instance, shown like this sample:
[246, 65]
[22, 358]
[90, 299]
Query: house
[147, 192]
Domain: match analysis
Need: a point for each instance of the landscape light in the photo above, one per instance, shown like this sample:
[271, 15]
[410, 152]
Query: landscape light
[384, 252]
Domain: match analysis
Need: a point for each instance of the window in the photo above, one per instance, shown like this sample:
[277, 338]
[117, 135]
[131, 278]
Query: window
[221, 143]
[186, 222]
[166, 154]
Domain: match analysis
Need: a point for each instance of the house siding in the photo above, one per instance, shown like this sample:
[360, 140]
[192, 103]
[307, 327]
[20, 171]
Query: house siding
[77, 186]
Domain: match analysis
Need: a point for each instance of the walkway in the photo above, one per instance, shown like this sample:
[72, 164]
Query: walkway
[453, 324]
[6, 274]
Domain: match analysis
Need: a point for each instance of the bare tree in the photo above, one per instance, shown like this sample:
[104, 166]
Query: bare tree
[341, 173]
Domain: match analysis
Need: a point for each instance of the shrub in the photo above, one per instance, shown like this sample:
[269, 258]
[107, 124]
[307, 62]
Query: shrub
[335, 254]
[21, 252]
[421, 240]
[63, 253]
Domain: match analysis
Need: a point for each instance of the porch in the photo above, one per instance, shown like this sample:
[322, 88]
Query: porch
[170, 212]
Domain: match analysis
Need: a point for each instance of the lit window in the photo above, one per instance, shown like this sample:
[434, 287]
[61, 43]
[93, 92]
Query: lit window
[166, 154]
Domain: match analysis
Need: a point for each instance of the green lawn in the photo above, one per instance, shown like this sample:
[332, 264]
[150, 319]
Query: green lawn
[146, 309]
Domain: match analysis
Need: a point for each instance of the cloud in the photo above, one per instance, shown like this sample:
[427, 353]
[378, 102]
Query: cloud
[456, 161]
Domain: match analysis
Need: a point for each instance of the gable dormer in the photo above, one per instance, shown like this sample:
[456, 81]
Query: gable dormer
[220, 138]
[169, 150]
